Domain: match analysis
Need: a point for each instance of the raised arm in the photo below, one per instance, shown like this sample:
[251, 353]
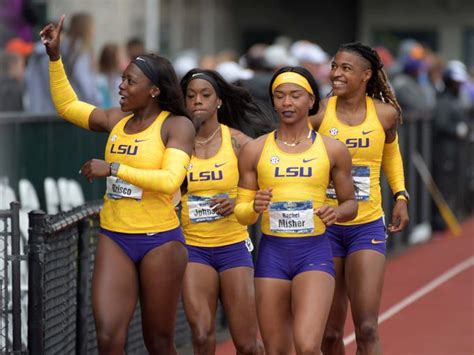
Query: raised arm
[64, 98]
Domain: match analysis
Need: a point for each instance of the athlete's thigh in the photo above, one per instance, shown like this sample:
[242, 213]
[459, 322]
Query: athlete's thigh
[161, 278]
[312, 293]
[274, 313]
[338, 312]
[364, 280]
[238, 299]
[114, 287]
[200, 295]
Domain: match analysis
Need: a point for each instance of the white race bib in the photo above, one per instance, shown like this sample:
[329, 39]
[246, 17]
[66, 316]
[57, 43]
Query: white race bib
[291, 217]
[118, 188]
[361, 179]
[200, 210]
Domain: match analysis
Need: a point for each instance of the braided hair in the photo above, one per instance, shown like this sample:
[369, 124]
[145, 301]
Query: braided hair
[377, 86]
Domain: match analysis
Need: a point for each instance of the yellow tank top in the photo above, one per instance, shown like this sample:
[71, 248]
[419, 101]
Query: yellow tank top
[299, 182]
[206, 178]
[128, 208]
[365, 142]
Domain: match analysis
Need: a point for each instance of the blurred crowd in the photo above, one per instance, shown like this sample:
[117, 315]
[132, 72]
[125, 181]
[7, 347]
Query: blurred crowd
[425, 83]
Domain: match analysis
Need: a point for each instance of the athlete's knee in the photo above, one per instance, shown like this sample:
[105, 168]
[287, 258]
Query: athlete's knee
[252, 347]
[367, 332]
[110, 342]
[308, 346]
[160, 343]
[203, 336]
[332, 336]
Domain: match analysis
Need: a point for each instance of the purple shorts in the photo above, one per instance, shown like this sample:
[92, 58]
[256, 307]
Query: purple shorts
[284, 258]
[223, 257]
[137, 245]
[348, 239]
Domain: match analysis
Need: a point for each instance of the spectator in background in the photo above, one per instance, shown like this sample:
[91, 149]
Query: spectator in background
[13, 22]
[12, 68]
[135, 47]
[257, 85]
[312, 57]
[450, 132]
[111, 62]
[78, 58]
[413, 94]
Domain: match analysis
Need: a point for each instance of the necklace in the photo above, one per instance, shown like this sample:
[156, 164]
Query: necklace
[208, 139]
[295, 143]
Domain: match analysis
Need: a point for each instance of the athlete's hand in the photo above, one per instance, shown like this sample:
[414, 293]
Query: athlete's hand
[399, 217]
[223, 205]
[95, 168]
[328, 214]
[262, 200]
[50, 35]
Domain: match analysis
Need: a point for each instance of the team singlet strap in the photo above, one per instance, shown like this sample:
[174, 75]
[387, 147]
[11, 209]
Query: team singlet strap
[292, 78]
[167, 180]
[243, 210]
[64, 98]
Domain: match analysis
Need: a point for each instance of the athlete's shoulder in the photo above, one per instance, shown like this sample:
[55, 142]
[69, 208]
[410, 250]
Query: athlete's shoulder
[238, 139]
[317, 119]
[386, 113]
[333, 146]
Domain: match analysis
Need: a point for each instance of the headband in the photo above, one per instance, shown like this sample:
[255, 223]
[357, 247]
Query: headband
[208, 78]
[146, 68]
[292, 78]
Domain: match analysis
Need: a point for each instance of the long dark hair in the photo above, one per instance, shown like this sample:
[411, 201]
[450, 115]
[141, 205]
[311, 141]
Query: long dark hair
[161, 73]
[238, 108]
[377, 86]
[312, 83]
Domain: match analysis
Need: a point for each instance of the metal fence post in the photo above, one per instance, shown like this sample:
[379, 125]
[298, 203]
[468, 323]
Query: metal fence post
[16, 293]
[83, 272]
[36, 264]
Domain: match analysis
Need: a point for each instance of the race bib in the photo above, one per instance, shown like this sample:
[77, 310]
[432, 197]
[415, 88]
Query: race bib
[200, 210]
[118, 188]
[291, 217]
[361, 179]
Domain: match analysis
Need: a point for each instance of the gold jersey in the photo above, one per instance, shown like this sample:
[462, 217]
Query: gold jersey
[128, 208]
[365, 142]
[207, 178]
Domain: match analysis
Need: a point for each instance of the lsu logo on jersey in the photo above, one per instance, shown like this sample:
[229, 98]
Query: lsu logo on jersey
[124, 149]
[294, 171]
[357, 142]
[209, 175]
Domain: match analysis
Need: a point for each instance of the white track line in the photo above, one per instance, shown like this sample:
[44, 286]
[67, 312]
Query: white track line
[469, 262]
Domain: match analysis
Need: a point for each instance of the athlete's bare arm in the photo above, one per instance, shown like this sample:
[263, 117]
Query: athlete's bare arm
[239, 139]
[318, 117]
[178, 132]
[388, 117]
[341, 166]
[248, 160]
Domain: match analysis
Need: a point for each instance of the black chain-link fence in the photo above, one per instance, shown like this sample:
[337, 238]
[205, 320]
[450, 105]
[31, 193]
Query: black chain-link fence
[10, 289]
[61, 261]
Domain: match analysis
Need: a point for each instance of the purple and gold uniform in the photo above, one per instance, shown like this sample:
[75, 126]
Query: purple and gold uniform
[212, 239]
[293, 239]
[365, 142]
[128, 209]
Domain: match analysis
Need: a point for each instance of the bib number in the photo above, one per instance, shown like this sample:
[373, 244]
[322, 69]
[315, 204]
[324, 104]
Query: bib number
[291, 217]
[361, 179]
[200, 209]
[118, 189]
